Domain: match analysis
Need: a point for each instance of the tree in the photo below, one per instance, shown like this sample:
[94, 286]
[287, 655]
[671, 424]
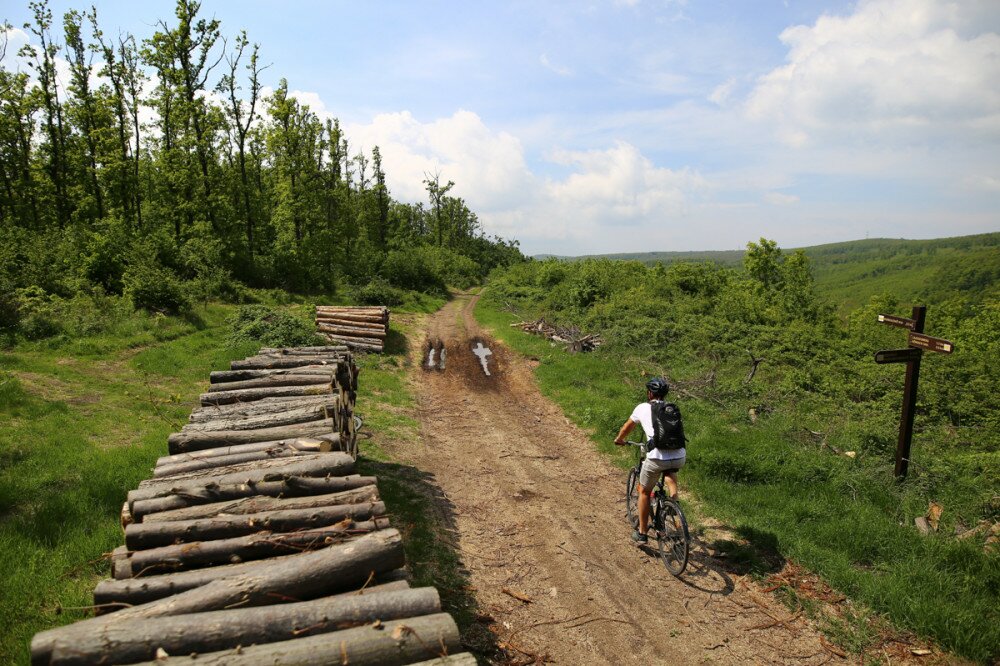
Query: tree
[437, 193]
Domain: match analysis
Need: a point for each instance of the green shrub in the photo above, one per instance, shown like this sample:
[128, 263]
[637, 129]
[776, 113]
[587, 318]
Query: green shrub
[269, 328]
[413, 270]
[152, 287]
[379, 292]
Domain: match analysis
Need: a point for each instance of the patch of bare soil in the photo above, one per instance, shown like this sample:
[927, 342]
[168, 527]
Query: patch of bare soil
[541, 528]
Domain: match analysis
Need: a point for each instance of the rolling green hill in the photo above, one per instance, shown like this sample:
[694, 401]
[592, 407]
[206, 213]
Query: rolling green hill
[849, 274]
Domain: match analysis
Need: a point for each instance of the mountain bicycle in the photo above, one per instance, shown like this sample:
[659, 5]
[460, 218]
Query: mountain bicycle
[666, 517]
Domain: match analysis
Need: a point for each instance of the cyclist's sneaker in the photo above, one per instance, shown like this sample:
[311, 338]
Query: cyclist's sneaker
[639, 538]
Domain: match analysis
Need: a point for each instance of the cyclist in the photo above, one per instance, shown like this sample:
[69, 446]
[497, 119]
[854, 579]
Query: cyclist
[658, 461]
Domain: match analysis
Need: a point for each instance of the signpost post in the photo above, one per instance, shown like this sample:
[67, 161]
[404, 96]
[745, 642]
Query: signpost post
[918, 342]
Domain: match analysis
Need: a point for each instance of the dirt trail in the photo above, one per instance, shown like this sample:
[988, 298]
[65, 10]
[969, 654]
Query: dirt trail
[540, 514]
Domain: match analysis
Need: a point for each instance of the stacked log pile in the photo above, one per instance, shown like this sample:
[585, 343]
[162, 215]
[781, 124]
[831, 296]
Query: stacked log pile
[255, 542]
[360, 328]
[572, 337]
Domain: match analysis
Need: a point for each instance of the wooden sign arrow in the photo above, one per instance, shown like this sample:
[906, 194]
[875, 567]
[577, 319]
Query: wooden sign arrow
[893, 320]
[929, 343]
[898, 355]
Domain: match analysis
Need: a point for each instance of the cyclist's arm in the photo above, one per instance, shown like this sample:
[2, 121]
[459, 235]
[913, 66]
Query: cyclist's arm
[623, 433]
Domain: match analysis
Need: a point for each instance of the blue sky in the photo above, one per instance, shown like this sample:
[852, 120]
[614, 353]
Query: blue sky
[612, 126]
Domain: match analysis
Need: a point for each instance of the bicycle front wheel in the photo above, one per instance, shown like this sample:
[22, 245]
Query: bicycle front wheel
[632, 498]
[672, 536]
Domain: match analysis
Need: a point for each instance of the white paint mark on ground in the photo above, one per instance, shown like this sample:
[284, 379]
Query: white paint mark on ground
[483, 353]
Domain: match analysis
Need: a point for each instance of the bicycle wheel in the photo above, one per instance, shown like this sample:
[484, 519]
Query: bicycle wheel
[672, 536]
[632, 498]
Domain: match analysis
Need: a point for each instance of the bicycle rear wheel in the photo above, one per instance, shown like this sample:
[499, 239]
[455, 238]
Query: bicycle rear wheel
[672, 536]
[632, 498]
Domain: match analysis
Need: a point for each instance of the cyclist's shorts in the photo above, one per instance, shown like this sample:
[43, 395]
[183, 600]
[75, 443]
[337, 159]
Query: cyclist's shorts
[652, 469]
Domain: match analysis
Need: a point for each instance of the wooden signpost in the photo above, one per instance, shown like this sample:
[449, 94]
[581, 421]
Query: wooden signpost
[918, 342]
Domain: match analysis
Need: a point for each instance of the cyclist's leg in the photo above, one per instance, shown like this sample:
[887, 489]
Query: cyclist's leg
[643, 509]
[670, 478]
[648, 479]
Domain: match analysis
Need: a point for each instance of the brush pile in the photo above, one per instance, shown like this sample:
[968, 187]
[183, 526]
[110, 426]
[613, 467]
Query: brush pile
[572, 337]
[361, 328]
[255, 542]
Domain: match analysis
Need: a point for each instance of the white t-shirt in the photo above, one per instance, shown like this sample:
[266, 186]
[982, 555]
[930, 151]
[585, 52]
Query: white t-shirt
[643, 414]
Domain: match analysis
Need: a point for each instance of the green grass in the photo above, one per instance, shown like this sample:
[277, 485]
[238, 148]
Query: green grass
[840, 517]
[84, 421]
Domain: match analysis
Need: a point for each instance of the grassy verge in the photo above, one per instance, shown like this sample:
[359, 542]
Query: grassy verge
[84, 421]
[838, 516]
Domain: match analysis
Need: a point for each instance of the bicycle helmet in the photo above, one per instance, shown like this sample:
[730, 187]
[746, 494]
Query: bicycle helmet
[658, 386]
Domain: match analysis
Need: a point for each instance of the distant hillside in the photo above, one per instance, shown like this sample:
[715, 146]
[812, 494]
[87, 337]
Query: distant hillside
[721, 257]
[849, 274]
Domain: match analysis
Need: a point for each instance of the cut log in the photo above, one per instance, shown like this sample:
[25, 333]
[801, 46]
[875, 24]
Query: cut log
[275, 405]
[113, 595]
[257, 546]
[352, 342]
[300, 577]
[180, 442]
[352, 332]
[461, 659]
[304, 444]
[126, 515]
[260, 504]
[249, 395]
[274, 361]
[335, 349]
[120, 565]
[318, 464]
[328, 444]
[193, 494]
[351, 322]
[274, 380]
[385, 644]
[271, 420]
[153, 534]
[200, 633]
[221, 376]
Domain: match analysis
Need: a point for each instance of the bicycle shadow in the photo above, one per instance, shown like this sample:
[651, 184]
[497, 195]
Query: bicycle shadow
[426, 518]
[718, 553]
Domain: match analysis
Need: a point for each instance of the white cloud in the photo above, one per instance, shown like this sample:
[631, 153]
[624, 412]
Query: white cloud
[780, 199]
[557, 69]
[892, 70]
[722, 92]
[488, 167]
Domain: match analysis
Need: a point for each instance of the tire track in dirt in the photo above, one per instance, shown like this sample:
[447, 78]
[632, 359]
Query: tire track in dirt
[540, 515]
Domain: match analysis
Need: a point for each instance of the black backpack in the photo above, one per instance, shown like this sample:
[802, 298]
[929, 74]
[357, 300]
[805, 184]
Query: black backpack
[668, 430]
